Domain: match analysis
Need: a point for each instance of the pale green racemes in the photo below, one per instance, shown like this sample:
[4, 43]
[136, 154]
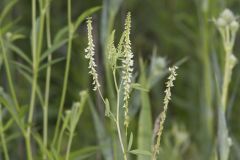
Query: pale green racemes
[123, 54]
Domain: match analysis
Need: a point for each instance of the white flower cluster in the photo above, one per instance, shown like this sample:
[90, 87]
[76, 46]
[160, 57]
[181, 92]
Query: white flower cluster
[127, 63]
[90, 55]
[162, 116]
[228, 26]
[169, 84]
[227, 19]
[112, 52]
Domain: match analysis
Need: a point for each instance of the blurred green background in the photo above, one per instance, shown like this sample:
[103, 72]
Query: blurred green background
[164, 32]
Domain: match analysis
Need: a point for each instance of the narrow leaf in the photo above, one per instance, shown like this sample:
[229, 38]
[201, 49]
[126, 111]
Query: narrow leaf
[145, 117]
[23, 66]
[53, 49]
[141, 152]
[130, 142]
[84, 15]
[19, 52]
[44, 66]
[7, 9]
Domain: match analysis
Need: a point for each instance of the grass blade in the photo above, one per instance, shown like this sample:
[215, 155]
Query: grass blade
[145, 117]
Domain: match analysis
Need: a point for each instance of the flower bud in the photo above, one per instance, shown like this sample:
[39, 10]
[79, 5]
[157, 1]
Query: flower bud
[233, 61]
[234, 26]
[8, 35]
[220, 23]
[227, 15]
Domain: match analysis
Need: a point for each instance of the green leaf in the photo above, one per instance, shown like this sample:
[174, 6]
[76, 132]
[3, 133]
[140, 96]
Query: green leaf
[224, 141]
[13, 136]
[141, 152]
[107, 109]
[29, 79]
[55, 46]
[130, 142]
[22, 66]
[19, 52]
[12, 111]
[44, 66]
[4, 29]
[7, 9]
[8, 124]
[145, 117]
[61, 34]
[103, 137]
[84, 15]
[138, 86]
[39, 141]
[83, 153]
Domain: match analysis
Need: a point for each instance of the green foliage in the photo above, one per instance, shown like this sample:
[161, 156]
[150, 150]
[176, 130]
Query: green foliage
[42, 65]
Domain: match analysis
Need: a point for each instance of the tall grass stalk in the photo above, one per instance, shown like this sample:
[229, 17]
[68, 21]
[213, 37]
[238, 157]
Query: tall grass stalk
[48, 78]
[118, 126]
[3, 139]
[8, 72]
[36, 51]
[65, 81]
[228, 26]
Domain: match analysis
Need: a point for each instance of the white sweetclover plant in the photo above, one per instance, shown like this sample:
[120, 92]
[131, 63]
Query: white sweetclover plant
[158, 128]
[127, 68]
[90, 51]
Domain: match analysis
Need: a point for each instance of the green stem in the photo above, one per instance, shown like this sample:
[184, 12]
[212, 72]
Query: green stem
[4, 145]
[27, 136]
[69, 146]
[65, 81]
[30, 117]
[36, 50]
[228, 52]
[60, 139]
[28, 147]
[47, 87]
[9, 77]
[115, 80]
[118, 127]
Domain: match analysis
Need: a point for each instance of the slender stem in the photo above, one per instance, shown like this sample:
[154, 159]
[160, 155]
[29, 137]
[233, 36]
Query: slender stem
[9, 77]
[30, 117]
[47, 87]
[115, 80]
[34, 37]
[65, 81]
[228, 51]
[4, 145]
[28, 147]
[118, 127]
[100, 93]
[36, 51]
[69, 146]
[225, 81]
[60, 139]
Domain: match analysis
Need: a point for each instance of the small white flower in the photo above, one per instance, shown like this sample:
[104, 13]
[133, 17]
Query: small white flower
[90, 51]
[161, 119]
[127, 63]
